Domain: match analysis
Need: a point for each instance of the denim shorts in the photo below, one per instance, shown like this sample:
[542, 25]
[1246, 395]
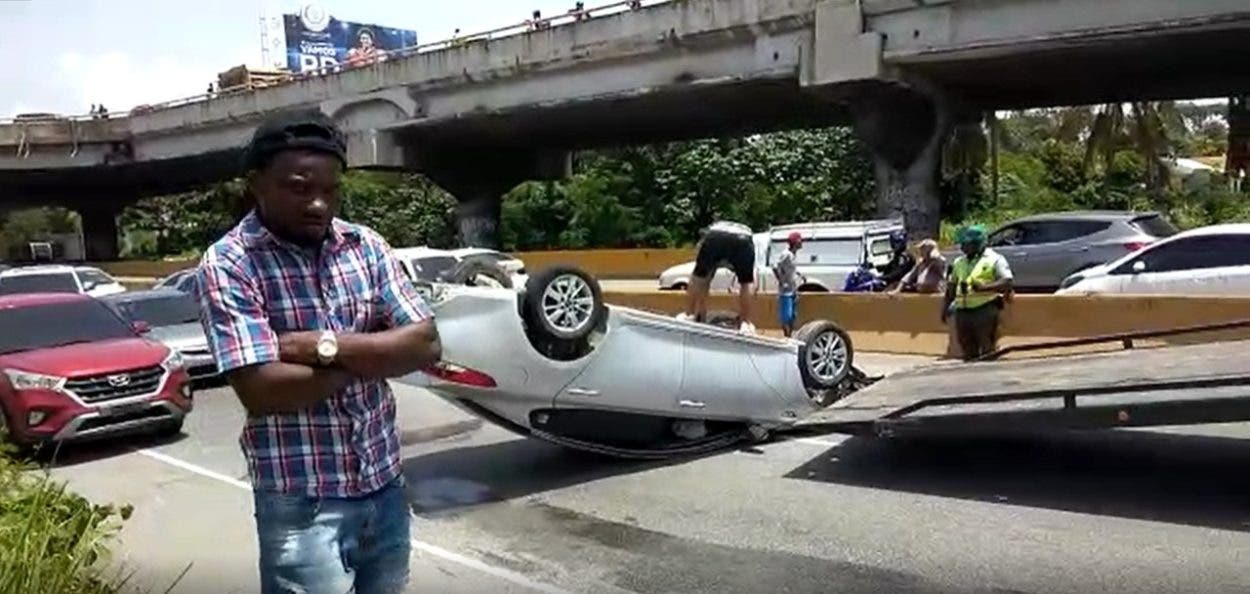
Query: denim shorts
[787, 308]
[329, 545]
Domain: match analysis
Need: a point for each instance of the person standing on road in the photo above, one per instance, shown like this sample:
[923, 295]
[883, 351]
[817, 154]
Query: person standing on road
[725, 243]
[788, 283]
[980, 283]
[307, 315]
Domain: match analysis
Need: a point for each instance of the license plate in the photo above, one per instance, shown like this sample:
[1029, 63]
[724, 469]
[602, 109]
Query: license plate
[122, 409]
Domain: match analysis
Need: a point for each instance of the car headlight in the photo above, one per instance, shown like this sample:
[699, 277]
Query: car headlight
[174, 361]
[25, 380]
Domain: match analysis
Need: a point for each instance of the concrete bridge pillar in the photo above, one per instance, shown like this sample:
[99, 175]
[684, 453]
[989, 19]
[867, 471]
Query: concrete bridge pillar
[479, 178]
[905, 128]
[100, 234]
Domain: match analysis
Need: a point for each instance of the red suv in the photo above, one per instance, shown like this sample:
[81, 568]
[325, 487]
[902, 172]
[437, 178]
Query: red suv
[71, 369]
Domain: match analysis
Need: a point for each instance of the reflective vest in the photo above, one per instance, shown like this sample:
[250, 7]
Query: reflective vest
[964, 272]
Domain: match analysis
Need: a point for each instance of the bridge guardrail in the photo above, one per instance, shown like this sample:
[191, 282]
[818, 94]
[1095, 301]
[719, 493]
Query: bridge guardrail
[526, 26]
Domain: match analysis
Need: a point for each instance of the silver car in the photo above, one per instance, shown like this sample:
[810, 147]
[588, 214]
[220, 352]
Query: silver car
[172, 317]
[1045, 249]
[553, 361]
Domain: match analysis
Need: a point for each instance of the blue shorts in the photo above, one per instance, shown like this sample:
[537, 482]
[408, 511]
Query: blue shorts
[788, 308]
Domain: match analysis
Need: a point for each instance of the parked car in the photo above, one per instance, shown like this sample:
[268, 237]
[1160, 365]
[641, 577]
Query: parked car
[1045, 249]
[831, 252]
[564, 366]
[58, 278]
[174, 319]
[1211, 260]
[71, 369]
[183, 280]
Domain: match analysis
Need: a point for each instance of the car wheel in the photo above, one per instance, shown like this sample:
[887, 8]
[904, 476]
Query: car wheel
[563, 304]
[476, 273]
[825, 355]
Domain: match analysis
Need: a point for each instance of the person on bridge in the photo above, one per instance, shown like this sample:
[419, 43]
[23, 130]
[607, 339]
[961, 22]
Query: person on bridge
[724, 244]
[978, 288]
[788, 283]
[307, 316]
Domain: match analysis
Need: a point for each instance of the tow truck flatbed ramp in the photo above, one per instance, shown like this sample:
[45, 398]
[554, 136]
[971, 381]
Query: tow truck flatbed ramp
[1172, 385]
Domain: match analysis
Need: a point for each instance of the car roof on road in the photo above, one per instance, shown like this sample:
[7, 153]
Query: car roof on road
[1086, 215]
[1224, 229]
[33, 299]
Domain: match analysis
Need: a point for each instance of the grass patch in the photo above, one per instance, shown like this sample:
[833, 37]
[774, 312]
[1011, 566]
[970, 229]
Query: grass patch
[54, 540]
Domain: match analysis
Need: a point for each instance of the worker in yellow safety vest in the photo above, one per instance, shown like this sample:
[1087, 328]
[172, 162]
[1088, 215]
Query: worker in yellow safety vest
[978, 286]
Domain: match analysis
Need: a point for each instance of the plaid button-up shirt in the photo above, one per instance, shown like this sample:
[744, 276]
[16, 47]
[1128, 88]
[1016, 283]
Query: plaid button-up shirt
[254, 286]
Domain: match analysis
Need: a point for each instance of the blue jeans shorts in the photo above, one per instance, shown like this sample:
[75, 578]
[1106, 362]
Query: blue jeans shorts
[324, 545]
[788, 308]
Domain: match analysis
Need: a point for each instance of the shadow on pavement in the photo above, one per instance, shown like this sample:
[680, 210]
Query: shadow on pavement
[446, 481]
[73, 454]
[1181, 479]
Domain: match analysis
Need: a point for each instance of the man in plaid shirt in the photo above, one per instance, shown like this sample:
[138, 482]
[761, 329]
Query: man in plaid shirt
[307, 316]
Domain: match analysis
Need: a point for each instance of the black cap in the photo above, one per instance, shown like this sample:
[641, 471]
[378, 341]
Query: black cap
[294, 131]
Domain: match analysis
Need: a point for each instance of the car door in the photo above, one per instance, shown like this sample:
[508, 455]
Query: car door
[1058, 248]
[637, 368]
[1010, 243]
[1180, 267]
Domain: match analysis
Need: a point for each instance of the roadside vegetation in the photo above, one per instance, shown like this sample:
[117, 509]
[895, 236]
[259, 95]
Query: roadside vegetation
[51, 539]
[1113, 156]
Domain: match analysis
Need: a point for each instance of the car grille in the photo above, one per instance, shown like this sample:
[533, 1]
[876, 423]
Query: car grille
[99, 388]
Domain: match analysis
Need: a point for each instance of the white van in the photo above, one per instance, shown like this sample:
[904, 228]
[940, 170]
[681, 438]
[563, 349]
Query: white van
[831, 252]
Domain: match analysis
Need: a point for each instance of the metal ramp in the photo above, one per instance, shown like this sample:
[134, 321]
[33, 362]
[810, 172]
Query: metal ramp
[1135, 387]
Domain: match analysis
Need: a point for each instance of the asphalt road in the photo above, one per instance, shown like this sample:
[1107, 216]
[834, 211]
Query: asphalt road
[1133, 511]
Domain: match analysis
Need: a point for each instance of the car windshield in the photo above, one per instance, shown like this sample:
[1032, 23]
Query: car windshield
[1155, 226]
[161, 311]
[53, 282]
[56, 324]
[428, 269]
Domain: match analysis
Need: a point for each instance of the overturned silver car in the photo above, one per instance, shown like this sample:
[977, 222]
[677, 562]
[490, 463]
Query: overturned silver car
[553, 361]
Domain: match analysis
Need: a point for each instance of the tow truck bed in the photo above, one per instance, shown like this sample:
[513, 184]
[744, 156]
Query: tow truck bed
[1174, 385]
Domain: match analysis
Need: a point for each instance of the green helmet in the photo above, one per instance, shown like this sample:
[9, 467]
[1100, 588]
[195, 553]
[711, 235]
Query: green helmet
[972, 234]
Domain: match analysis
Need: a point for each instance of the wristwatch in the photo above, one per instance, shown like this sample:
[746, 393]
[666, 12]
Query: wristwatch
[327, 348]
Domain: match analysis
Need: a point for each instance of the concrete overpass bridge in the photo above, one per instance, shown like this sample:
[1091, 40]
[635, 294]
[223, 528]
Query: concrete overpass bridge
[480, 114]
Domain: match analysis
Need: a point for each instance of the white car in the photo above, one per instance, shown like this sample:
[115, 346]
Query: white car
[830, 253]
[1208, 261]
[553, 361]
[431, 265]
[513, 266]
[57, 278]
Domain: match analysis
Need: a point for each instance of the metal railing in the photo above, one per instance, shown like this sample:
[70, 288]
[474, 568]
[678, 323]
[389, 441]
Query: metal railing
[527, 26]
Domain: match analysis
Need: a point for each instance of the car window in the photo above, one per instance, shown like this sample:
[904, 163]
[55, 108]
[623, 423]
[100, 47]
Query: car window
[43, 326]
[1057, 231]
[428, 269]
[53, 282]
[1155, 226]
[186, 283]
[161, 311]
[1007, 236]
[89, 275]
[1193, 253]
[171, 280]
[830, 252]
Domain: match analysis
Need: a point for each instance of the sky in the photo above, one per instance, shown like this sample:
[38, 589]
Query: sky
[66, 55]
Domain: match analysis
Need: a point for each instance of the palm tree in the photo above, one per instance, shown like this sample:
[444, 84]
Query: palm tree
[1146, 129]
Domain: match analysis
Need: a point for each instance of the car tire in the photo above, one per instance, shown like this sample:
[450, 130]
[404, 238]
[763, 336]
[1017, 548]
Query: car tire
[563, 305]
[171, 429]
[825, 355]
[476, 273]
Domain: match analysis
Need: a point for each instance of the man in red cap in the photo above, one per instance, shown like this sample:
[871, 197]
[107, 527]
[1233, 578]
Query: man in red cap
[788, 283]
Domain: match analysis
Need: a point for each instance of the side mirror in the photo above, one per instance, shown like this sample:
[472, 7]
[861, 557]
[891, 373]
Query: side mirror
[141, 327]
[1139, 267]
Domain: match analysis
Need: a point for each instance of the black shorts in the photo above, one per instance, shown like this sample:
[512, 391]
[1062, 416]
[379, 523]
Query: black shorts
[721, 248]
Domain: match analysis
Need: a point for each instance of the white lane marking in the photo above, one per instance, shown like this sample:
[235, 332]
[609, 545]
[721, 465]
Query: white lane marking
[818, 441]
[504, 574]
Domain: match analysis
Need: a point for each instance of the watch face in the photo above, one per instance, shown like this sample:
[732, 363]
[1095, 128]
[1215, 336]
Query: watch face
[326, 348]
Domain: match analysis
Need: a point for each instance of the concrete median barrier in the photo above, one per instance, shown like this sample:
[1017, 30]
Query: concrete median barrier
[910, 324]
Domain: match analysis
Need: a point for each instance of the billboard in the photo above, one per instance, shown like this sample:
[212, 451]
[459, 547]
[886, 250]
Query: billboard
[314, 40]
